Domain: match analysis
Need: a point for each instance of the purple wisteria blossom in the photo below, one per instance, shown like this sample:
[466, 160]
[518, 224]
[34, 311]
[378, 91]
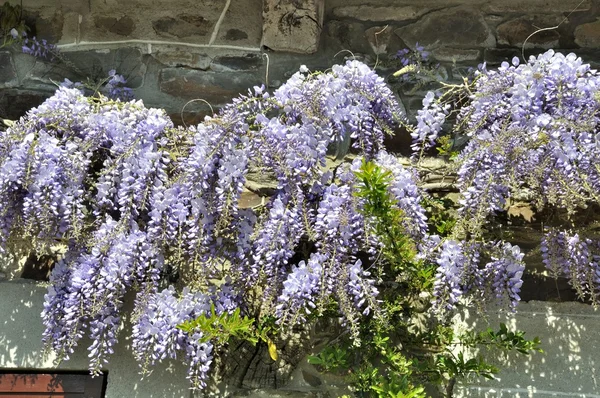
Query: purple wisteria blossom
[39, 48]
[156, 336]
[430, 120]
[569, 254]
[505, 272]
[531, 125]
[457, 273]
[404, 189]
[461, 273]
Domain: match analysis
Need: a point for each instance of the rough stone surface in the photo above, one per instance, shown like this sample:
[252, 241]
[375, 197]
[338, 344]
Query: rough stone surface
[48, 25]
[458, 27]
[588, 35]
[538, 6]
[242, 25]
[181, 57]
[369, 12]
[95, 65]
[233, 63]
[495, 56]
[292, 25]
[349, 35]
[123, 26]
[183, 26]
[235, 35]
[214, 87]
[15, 103]
[8, 74]
[514, 32]
[379, 38]
[456, 54]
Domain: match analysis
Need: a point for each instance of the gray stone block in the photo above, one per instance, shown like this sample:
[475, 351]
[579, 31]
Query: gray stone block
[214, 87]
[367, 12]
[588, 35]
[242, 25]
[514, 32]
[459, 27]
[8, 74]
[292, 25]
[232, 63]
[539, 6]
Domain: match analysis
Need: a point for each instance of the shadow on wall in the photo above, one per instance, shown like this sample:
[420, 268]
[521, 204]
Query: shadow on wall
[20, 348]
[568, 366]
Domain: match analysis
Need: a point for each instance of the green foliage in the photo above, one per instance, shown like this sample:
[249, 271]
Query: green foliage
[503, 339]
[446, 147]
[439, 216]
[398, 249]
[11, 21]
[408, 346]
[330, 359]
[220, 328]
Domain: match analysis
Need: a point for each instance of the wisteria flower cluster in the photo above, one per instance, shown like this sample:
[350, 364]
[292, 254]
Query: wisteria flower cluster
[460, 272]
[141, 206]
[138, 204]
[39, 48]
[533, 128]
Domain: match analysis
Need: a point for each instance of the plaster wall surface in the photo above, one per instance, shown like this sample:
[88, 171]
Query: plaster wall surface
[569, 366]
[21, 303]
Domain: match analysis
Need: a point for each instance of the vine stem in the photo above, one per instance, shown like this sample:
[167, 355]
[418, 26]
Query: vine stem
[546, 29]
[450, 387]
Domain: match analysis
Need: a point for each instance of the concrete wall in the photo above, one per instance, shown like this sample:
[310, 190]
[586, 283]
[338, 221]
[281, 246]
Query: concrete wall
[20, 348]
[570, 365]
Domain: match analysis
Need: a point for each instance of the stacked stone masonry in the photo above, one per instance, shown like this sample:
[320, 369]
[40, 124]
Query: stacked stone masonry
[175, 51]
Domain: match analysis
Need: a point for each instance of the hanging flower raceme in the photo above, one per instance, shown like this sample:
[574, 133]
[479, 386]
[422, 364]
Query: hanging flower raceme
[531, 125]
[141, 206]
[135, 209]
[532, 128]
[569, 254]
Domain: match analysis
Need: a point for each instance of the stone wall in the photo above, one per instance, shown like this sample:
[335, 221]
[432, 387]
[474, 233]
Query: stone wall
[174, 51]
